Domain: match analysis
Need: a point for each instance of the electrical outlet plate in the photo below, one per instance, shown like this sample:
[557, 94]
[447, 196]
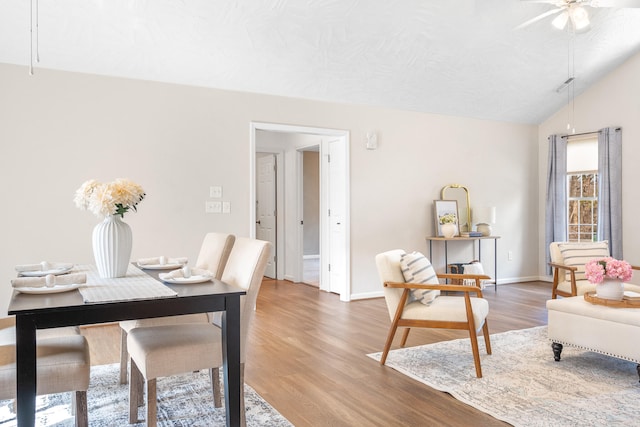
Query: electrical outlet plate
[226, 207]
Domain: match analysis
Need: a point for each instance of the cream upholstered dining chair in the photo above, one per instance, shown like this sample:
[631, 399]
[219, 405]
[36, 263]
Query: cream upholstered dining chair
[161, 351]
[568, 260]
[418, 303]
[62, 363]
[213, 256]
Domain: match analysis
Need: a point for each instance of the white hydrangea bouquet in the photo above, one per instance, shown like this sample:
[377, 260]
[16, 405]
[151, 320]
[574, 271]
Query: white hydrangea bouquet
[448, 218]
[113, 198]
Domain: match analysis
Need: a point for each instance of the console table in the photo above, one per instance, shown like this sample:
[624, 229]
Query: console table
[446, 240]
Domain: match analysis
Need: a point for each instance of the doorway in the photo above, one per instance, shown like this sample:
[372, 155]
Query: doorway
[311, 216]
[332, 148]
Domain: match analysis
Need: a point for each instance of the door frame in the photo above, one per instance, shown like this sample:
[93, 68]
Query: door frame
[345, 292]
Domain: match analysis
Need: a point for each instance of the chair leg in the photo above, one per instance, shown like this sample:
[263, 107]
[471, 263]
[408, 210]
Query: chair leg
[487, 340]
[476, 353]
[124, 356]
[214, 373]
[152, 399]
[135, 392]
[554, 288]
[405, 335]
[387, 345]
[82, 418]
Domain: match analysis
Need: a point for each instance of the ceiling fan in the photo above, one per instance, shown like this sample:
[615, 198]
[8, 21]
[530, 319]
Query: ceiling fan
[574, 12]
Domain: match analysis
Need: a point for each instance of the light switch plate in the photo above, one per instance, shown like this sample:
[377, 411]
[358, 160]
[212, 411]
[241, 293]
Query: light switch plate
[226, 207]
[215, 191]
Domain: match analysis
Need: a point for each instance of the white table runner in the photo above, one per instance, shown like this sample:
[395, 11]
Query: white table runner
[135, 285]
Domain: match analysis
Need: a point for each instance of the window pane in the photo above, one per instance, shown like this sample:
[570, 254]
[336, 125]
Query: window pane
[586, 212]
[588, 186]
[573, 212]
[574, 186]
[573, 233]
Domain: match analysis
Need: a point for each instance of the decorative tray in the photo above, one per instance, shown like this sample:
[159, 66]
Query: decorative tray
[627, 301]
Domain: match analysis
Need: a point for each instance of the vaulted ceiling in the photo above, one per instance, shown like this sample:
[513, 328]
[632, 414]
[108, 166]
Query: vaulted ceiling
[463, 57]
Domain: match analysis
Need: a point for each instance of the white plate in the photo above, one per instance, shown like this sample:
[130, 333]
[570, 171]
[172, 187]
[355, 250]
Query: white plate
[160, 266]
[51, 290]
[41, 273]
[182, 280]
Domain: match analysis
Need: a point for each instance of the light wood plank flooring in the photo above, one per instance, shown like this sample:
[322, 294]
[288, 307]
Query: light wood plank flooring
[307, 357]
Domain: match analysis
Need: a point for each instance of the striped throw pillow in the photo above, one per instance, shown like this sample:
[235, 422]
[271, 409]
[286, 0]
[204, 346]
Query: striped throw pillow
[577, 254]
[416, 268]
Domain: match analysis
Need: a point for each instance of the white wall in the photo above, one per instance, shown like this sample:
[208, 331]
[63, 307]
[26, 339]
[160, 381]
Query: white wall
[58, 129]
[613, 101]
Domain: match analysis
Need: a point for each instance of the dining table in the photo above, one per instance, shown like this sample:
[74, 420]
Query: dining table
[76, 307]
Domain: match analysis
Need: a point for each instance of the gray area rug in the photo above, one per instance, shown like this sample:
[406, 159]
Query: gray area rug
[523, 385]
[183, 400]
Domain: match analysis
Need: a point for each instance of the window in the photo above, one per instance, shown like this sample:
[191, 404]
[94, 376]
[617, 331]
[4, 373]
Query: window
[582, 182]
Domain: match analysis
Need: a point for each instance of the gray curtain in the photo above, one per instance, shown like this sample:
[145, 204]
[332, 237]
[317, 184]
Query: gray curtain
[556, 207]
[610, 189]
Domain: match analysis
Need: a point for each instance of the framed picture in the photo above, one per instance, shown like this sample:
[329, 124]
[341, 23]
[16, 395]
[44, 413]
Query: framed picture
[446, 211]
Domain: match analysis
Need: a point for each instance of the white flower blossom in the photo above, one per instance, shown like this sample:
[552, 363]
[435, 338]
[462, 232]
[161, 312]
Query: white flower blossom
[113, 198]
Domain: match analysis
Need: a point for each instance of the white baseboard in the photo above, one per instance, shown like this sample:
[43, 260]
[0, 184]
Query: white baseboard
[367, 295]
[506, 281]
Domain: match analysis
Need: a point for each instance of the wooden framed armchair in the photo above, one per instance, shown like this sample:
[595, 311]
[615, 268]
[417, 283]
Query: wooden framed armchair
[468, 311]
[568, 260]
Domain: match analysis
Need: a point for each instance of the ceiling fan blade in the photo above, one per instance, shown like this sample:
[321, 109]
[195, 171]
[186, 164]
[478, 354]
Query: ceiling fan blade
[615, 3]
[539, 17]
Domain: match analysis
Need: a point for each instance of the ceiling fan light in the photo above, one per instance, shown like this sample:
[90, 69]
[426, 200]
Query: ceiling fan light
[580, 18]
[560, 21]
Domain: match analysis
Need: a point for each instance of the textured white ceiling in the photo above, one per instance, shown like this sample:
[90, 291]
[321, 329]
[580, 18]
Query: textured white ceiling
[461, 57]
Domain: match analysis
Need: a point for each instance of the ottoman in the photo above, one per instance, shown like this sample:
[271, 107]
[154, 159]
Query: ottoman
[608, 330]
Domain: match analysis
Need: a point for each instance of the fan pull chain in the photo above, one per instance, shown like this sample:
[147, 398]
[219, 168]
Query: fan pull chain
[571, 102]
[37, 38]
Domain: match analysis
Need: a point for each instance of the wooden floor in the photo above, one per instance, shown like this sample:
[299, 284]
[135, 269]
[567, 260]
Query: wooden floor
[307, 357]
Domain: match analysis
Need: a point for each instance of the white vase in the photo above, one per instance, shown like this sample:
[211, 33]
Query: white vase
[449, 230]
[112, 246]
[612, 289]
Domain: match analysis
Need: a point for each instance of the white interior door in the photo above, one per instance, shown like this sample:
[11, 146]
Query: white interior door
[266, 212]
[333, 277]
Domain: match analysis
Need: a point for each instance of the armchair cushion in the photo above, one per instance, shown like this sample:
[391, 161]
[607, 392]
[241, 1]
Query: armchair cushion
[416, 268]
[449, 309]
[577, 254]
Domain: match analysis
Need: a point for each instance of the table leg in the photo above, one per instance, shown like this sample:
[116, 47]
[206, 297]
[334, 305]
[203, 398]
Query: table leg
[495, 265]
[26, 371]
[231, 359]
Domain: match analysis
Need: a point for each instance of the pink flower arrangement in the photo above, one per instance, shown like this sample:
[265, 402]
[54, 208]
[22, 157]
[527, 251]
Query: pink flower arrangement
[599, 269]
